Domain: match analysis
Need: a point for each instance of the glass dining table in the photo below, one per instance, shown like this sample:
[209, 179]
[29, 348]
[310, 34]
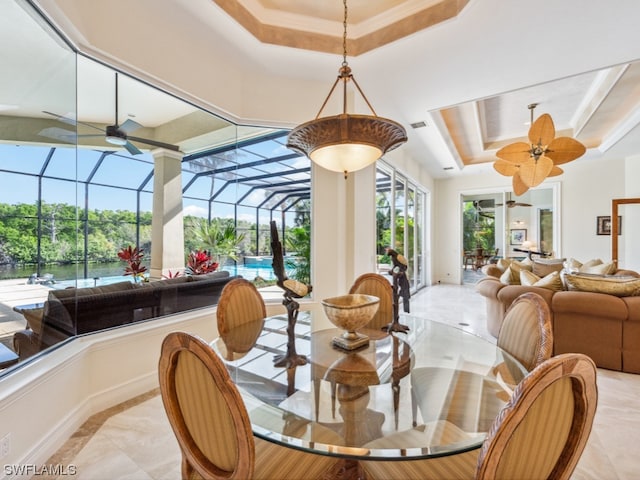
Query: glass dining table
[432, 391]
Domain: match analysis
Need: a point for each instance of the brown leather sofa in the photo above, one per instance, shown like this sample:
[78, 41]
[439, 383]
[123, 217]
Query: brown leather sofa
[70, 312]
[604, 327]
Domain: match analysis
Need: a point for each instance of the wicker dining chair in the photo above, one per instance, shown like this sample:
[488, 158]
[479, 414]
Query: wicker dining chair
[240, 303]
[526, 330]
[211, 423]
[240, 316]
[539, 434]
[525, 334]
[378, 286]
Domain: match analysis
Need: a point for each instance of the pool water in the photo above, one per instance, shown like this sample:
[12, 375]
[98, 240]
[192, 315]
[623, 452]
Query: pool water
[248, 271]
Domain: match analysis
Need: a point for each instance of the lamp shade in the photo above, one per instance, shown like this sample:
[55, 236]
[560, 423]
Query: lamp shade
[346, 143]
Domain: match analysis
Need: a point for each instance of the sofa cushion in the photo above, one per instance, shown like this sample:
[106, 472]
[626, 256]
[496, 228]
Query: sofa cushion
[616, 285]
[552, 281]
[210, 276]
[81, 292]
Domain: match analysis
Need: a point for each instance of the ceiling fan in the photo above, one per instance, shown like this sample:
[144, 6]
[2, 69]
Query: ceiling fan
[512, 203]
[530, 163]
[115, 134]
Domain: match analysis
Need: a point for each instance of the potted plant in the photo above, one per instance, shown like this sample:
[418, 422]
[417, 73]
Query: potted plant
[200, 262]
[133, 256]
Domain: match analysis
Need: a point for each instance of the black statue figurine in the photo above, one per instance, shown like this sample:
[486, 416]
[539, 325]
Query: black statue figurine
[292, 289]
[401, 288]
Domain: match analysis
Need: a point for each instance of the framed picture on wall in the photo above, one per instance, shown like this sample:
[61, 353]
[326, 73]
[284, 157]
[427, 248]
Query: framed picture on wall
[517, 236]
[604, 225]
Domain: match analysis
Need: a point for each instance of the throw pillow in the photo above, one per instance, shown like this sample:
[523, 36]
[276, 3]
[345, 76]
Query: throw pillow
[503, 264]
[591, 263]
[611, 285]
[552, 281]
[510, 277]
[518, 266]
[543, 267]
[599, 269]
[526, 261]
[572, 265]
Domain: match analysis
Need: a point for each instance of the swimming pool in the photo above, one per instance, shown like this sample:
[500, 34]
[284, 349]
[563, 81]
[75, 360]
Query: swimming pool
[248, 271]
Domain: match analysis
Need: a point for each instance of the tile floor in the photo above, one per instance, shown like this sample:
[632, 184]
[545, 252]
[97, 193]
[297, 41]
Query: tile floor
[134, 440]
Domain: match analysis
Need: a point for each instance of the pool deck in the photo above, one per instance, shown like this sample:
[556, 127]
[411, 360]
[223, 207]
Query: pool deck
[13, 293]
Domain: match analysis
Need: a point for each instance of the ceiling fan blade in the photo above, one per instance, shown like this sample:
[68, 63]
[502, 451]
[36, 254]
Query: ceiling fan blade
[155, 143]
[555, 171]
[542, 130]
[132, 149]
[505, 168]
[65, 135]
[533, 172]
[129, 126]
[564, 149]
[518, 185]
[516, 152]
[58, 134]
[68, 118]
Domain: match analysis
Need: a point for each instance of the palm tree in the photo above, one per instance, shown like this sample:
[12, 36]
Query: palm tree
[218, 238]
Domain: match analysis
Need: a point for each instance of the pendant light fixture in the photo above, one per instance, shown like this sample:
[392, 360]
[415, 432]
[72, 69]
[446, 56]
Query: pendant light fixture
[345, 142]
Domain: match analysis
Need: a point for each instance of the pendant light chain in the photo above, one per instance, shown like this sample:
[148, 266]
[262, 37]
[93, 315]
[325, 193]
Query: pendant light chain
[346, 143]
[344, 36]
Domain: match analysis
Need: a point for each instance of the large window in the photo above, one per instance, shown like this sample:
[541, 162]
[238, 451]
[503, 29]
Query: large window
[71, 200]
[400, 221]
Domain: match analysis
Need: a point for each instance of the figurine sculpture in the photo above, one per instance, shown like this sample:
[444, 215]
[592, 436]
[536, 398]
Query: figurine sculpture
[401, 288]
[292, 289]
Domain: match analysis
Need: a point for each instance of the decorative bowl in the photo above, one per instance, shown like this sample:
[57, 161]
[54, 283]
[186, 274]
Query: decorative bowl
[351, 312]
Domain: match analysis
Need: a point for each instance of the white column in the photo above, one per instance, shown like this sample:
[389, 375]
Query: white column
[167, 237]
[343, 229]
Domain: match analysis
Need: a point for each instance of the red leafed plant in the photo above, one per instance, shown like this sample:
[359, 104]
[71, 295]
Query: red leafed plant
[171, 274]
[133, 257]
[200, 262]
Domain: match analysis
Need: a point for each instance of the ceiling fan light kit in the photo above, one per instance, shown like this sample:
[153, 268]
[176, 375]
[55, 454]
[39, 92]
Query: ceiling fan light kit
[530, 163]
[346, 143]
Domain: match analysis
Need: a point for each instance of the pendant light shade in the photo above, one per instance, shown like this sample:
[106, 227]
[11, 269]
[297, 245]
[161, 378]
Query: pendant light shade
[346, 143]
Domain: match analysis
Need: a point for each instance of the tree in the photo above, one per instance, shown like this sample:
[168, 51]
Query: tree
[218, 238]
